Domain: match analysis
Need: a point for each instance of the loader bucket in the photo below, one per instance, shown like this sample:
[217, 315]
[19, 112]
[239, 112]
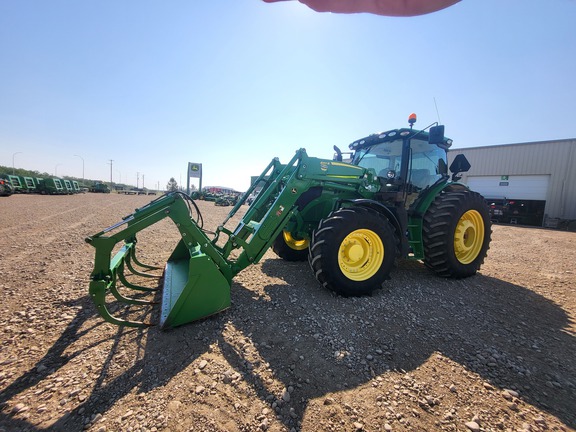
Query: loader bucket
[193, 288]
[196, 278]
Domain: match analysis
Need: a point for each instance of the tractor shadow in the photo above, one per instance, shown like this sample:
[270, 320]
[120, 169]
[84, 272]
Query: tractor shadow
[160, 356]
[318, 343]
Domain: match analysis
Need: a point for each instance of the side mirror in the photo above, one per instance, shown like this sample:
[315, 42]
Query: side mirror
[436, 135]
[458, 165]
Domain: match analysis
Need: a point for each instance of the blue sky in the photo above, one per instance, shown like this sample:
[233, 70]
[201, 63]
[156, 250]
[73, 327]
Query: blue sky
[233, 83]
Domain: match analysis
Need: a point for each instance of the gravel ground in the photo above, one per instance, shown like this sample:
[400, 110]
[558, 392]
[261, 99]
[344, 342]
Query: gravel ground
[494, 352]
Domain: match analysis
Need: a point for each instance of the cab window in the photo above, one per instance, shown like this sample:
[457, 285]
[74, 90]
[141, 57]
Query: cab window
[427, 163]
[383, 158]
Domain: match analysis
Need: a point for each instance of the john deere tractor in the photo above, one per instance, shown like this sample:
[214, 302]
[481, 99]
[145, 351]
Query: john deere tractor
[394, 198]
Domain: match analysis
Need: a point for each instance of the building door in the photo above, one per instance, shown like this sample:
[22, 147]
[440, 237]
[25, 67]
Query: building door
[520, 187]
[524, 196]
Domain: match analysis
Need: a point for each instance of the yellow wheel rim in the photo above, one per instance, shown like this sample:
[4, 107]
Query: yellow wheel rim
[469, 236]
[360, 255]
[295, 243]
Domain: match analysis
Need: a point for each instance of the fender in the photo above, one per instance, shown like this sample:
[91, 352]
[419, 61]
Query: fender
[418, 210]
[396, 216]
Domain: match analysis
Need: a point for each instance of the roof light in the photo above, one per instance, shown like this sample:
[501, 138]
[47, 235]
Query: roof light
[412, 119]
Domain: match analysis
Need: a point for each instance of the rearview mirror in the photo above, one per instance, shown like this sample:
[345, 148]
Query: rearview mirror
[460, 164]
[436, 135]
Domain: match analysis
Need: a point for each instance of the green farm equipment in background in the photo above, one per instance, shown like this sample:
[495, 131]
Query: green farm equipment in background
[28, 184]
[38, 182]
[99, 187]
[351, 221]
[226, 200]
[68, 186]
[6, 188]
[16, 182]
[39, 185]
[50, 186]
[21, 184]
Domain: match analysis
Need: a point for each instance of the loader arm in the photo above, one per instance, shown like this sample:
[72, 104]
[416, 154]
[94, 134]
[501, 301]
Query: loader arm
[198, 274]
[279, 201]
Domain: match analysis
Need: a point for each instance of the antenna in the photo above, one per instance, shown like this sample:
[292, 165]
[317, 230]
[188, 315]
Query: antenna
[437, 113]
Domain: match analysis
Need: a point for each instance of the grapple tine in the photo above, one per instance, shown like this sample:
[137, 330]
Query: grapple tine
[127, 284]
[128, 300]
[137, 261]
[134, 270]
[98, 294]
[132, 257]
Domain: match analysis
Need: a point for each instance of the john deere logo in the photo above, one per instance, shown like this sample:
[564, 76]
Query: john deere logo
[195, 168]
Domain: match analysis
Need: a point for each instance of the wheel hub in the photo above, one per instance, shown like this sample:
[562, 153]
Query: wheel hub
[468, 237]
[360, 255]
[293, 243]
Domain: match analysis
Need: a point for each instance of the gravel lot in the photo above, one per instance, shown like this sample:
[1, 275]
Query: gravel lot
[495, 352]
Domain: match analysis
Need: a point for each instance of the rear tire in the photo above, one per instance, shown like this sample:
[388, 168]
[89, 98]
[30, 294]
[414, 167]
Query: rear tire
[289, 248]
[456, 233]
[352, 251]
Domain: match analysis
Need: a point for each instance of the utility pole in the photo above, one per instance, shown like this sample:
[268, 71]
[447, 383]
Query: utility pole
[111, 172]
[142, 181]
[137, 179]
[82, 167]
[13, 168]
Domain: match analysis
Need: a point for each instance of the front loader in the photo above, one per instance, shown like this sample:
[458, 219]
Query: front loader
[350, 220]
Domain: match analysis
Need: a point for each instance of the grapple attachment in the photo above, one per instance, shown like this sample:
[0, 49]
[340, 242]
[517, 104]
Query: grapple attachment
[196, 279]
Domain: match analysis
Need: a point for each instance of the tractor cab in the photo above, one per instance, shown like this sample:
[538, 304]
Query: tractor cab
[407, 161]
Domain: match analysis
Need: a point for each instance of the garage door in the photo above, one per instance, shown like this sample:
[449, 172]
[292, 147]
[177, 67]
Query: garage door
[526, 187]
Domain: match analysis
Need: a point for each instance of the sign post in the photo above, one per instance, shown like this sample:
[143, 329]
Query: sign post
[195, 171]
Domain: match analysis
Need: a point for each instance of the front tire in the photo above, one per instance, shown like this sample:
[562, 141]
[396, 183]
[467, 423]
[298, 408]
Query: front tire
[290, 248]
[456, 233]
[352, 251]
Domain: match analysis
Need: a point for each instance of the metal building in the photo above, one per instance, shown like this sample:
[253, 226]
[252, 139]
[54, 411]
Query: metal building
[538, 177]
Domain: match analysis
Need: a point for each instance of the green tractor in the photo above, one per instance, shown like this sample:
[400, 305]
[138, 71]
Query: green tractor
[99, 187]
[351, 220]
